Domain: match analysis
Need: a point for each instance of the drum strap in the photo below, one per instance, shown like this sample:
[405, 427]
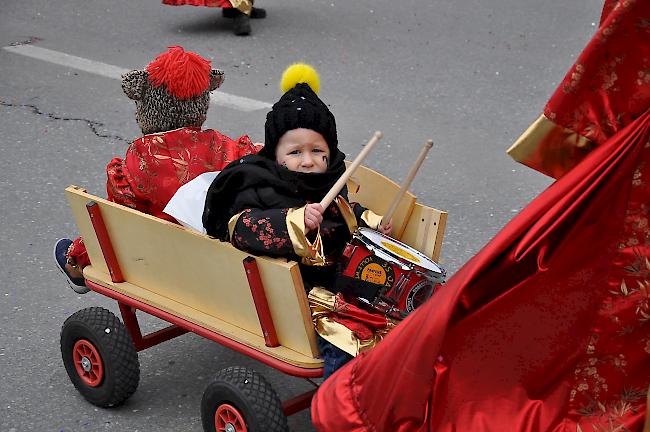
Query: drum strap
[357, 287]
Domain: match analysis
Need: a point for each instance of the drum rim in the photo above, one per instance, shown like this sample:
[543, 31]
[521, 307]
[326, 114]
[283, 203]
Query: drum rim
[361, 230]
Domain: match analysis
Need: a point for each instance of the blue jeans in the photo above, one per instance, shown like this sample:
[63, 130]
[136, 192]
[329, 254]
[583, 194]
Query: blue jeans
[333, 357]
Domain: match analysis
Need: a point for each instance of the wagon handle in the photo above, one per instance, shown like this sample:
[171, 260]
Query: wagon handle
[334, 191]
[407, 182]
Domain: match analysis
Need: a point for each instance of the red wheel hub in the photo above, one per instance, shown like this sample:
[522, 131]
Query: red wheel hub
[229, 419]
[88, 363]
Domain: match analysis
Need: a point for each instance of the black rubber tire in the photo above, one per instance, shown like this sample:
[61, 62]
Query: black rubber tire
[250, 394]
[115, 346]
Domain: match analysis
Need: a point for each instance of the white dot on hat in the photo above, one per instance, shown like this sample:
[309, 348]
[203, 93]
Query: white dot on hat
[298, 109]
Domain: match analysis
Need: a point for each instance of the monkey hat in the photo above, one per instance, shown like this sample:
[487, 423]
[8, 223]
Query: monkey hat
[299, 107]
[173, 91]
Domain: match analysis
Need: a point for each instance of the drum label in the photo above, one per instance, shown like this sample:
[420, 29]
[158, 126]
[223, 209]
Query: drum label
[374, 270]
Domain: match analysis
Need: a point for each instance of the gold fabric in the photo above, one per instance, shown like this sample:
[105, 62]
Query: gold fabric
[371, 219]
[310, 252]
[347, 213]
[245, 6]
[550, 148]
[232, 223]
[323, 305]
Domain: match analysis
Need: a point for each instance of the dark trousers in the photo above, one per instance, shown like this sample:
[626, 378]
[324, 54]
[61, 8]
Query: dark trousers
[333, 357]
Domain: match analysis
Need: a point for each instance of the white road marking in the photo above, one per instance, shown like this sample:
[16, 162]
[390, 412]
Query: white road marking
[218, 98]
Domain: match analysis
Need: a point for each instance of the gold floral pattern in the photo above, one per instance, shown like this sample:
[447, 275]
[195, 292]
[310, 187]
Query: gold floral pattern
[610, 383]
[156, 165]
[607, 88]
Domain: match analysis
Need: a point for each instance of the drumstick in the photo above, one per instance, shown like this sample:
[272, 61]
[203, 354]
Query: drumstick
[407, 182]
[334, 191]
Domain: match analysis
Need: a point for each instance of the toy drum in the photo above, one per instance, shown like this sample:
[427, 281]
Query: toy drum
[387, 274]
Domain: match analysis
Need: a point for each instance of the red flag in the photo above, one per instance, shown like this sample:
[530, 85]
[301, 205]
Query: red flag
[547, 328]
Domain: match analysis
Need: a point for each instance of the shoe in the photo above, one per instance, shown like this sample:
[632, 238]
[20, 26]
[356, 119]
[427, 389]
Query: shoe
[256, 13]
[242, 25]
[61, 246]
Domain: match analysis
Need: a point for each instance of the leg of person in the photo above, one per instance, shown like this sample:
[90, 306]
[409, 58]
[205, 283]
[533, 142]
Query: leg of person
[256, 13]
[65, 252]
[333, 357]
[241, 24]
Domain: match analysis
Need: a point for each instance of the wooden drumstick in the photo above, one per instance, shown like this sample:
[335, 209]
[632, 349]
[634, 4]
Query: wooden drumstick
[334, 191]
[407, 182]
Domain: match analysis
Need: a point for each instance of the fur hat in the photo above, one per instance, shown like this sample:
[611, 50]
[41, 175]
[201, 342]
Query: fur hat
[173, 91]
[299, 107]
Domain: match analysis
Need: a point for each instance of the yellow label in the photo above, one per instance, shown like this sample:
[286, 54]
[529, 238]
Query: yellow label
[374, 273]
[400, 252]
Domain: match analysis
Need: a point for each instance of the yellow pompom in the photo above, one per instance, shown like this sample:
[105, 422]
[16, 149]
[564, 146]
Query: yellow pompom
[300, 73]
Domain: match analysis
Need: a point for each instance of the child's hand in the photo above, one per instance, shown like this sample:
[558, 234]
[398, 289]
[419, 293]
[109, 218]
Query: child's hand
[386, 228]
[313, 216]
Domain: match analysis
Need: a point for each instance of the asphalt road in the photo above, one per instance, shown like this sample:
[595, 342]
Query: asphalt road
[471, 75]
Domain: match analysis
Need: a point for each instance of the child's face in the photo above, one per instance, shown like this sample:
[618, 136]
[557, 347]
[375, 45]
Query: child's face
[303, 150]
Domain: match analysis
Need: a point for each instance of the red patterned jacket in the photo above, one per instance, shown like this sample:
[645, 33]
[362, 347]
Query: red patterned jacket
[156, 165]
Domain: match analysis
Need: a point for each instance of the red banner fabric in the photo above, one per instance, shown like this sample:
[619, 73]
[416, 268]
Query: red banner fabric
[547, 328]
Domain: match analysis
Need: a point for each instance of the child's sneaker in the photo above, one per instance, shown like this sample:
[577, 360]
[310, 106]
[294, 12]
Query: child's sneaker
[60, 249]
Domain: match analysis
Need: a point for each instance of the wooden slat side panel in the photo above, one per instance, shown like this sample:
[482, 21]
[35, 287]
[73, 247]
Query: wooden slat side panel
[301, 295]
[206, 321]
[417, 225]
[285, 293]
[376, 192]
[425, 230]
[440, 236]
[199, 272]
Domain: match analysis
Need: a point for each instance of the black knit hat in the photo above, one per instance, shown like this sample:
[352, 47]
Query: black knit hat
[298, 108]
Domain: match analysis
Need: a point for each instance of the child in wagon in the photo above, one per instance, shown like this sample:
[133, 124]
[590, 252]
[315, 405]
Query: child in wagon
[172, 96]
[268, 204]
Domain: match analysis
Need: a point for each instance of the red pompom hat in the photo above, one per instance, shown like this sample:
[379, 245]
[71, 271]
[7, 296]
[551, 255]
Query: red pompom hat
[185, 74]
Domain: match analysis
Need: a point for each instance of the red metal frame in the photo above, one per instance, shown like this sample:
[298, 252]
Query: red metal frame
[298, 403]
[152, 339]
[105, 242]
[261, 303]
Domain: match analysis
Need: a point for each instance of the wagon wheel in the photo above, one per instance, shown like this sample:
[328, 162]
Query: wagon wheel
[99, 356]
[241, 400]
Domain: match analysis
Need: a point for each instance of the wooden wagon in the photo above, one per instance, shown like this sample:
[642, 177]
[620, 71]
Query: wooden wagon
[254, 305]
